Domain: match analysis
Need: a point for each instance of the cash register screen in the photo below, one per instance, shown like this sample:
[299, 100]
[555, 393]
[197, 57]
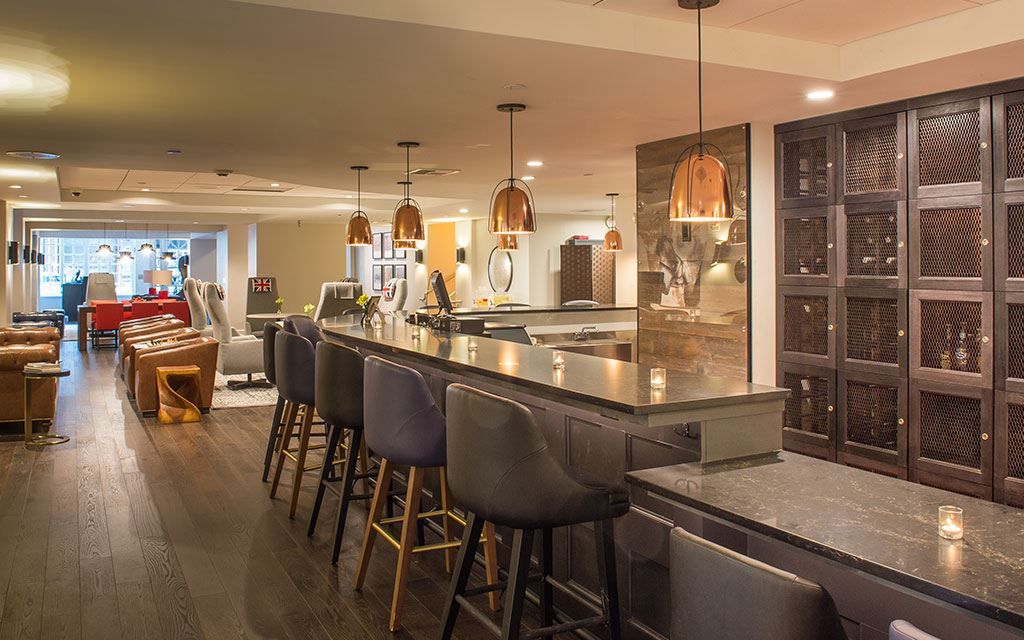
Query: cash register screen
[444, 302]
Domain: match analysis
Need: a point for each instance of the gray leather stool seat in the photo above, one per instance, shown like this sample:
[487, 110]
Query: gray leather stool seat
[718, 593]
[501, 469]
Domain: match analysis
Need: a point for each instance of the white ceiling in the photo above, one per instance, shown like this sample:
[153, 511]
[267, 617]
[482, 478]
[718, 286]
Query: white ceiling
[299, 90]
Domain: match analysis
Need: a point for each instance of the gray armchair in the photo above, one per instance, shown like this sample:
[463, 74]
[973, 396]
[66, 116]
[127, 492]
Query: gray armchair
[237, 353]
[100, 286]
[196, 307]
[337, 298]
[396, 292]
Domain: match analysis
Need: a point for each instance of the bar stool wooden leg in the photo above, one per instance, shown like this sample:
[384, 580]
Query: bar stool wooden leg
[518, 576]
[347, 486]
[490, 563]
[364, 465]
[547, 605]
[380, 497]
[291, 412]
[334, 437]
[300, 457]
[604, 534]
[407, 543]
[275, 437]
[446, 520]
[463, 567]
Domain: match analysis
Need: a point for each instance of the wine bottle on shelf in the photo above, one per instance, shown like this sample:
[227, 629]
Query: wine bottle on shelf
[960, 353]
[946, 355]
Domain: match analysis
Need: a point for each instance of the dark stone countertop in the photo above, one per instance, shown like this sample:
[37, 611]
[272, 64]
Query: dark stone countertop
[481, 311]
[612, 384]
[880, 525]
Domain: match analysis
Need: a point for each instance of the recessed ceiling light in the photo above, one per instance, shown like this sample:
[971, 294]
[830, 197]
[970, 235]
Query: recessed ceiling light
[173, 152]
[15, 186]
[33, 155]
[22, 196]
[527, 178]
[463, 210]
[118, 220]
[535, 163]
[275, 184]
[349, 196]
[127, 206]
[145, 188]
[820, 94]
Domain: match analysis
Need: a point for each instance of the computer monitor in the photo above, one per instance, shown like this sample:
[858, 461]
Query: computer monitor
[444, 302]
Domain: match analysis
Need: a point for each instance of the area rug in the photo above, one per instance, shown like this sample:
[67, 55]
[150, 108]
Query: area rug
[226, 398]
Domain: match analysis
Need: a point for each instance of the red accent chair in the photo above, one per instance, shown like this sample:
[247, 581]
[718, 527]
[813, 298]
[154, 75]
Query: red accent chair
[179, 309]
[105, 322]
[144, 309]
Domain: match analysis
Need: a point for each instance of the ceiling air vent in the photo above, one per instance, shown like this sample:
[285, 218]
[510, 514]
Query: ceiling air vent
[440, 173]
[260, 189]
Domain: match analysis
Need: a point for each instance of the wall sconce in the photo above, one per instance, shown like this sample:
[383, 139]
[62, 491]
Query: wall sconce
[41, 258]
[419, 256]
[12, 252]
[33, 257]
[460, 255]
[719, 252]
[26, 255]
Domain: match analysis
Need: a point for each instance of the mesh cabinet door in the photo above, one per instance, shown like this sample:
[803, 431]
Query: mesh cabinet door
[872, 330]
[809, 420]
[872, 422]
[1008, 136]
[1009, 342]
[950, 337]
[805, 325]
[871, 159]
[805, 168]
[871, 247]
[950, 150]
[950, 437]
[805, 247]
[1009, 448]
[1008, 248]
[951, 243]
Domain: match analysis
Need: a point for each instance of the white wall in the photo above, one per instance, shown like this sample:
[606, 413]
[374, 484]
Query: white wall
[301, 258]
[237, 272]
[761, 232]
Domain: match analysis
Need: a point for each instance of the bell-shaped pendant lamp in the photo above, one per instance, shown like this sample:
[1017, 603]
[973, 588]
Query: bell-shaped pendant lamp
[403, 244]
[407, 222]
[511, 200]
[146, 247]
[701, 190]
[125, 254]
[612, 237]
[167, 256]
[104, 250]
[508, 242]
[358, 233]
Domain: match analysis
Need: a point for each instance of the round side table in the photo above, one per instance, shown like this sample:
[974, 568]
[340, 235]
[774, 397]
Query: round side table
[40, 439]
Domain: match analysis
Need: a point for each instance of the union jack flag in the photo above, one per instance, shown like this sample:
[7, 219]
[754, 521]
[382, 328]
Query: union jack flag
[261, 285]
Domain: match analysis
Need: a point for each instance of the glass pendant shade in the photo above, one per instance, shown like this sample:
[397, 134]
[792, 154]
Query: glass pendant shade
[125, 256]
[104, 250]
[508, 242]
[700, 188]
[359, 233]
[146, 248]
[512, 211]
[167, 256]
[407, 223]
[613, 240]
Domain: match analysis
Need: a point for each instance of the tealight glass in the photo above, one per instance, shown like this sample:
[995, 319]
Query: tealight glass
[558, 359]
[659, 378]
[472, 345]
[951, 522]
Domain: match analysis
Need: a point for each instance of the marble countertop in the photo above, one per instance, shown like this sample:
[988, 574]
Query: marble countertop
[613, 384]
[879, 525]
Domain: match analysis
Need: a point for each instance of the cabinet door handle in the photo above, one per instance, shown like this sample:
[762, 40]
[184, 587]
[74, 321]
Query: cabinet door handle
[984, 339]
[901, 421]
[900, 244]
[831, 327]
[984, 436]
[984, 242]
[829, 245]
[984, 145]
[831, 409]
[901, 333]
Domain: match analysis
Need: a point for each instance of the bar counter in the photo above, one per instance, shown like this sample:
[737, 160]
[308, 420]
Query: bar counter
[883, 527]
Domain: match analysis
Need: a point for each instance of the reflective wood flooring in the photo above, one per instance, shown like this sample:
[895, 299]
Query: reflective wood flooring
[139, 530]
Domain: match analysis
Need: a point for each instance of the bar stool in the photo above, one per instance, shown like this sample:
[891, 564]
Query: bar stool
[405, 427]
[718, 593]
[303, 326]
[339, 401]
[294, 365]
[500, 470]
[903, 630]
[269, 332]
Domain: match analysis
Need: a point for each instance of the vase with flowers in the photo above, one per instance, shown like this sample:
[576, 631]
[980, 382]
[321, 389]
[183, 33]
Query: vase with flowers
[280, 303]
[363, 301]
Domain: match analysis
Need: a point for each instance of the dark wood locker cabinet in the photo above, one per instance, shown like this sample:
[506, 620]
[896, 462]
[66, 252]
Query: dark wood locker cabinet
[809, 421]
[938, 351]
[871, 163]
[1008, 248]
[950, 439]
[1009, 342]
[872, 330]
[872, 422]
[587, 272]
[1009, 448]
[950, 149]
[805, 247]
[871, 244]
[951, 243]
[1008, 137]
[805, 325]
[805, 168]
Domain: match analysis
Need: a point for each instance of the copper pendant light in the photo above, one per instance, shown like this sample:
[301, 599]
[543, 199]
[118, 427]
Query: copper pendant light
[508, 242]
[511, 204]
[700, 190]
[358, 233]
[403, 244]
[407, 222]
[612, 237]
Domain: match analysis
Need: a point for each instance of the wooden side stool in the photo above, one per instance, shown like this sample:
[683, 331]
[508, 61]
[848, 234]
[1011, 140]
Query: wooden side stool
[178, 394]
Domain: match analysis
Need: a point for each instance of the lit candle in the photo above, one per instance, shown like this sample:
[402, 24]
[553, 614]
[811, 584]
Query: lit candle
[659, 378]
[472, 344]
[415, 333]
[951, 522]
[557, 359]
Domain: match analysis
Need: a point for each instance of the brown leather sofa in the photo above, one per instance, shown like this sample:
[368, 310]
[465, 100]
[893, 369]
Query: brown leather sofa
[125, 364]
[142, 328]
[18, 347]
[162, 341]
[201, 352]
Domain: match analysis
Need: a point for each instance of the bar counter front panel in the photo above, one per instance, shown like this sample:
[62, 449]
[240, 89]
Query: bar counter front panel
[599, 417]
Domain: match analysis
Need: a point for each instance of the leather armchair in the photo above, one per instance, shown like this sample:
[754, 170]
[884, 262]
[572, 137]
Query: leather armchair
[147, 329]
[131, 351]
[396, 292]
[336, 298]
[19, 347]
[201, 352]
[238, 354]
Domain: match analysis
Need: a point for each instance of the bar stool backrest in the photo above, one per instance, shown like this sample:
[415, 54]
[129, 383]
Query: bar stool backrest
[295, 366]
[303, 326]
[401, 420]
[718, 593]
[339, 385]
[269, 361]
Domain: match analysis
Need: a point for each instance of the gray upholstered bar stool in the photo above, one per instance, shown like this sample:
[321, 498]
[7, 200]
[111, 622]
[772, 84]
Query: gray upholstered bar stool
[404, 427]
[501, 470]
[295, 371]
[903, 630]
[718, 593]
[269, 332]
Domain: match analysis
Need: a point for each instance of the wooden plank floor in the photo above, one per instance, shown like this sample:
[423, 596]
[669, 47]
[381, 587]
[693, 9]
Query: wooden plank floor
[140, 530]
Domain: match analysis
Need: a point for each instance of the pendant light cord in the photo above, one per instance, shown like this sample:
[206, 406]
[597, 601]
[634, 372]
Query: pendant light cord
[700, 80]
[511, 148]
[359, 190]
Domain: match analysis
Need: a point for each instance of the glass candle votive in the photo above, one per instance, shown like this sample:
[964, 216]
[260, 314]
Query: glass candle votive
[951, 522]
[472, 345]
[558, 359]
[659, 378]
[415, 333]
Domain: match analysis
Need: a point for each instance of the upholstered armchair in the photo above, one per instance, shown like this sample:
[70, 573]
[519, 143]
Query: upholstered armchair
[238, 354]
[130, 350]
[337, 298]
[100, 286]
[196, 306]
[201, 352]
[396, 292]
[130, 332]
[19, 347]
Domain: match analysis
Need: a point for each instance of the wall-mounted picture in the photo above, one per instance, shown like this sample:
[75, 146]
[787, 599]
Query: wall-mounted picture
[378, 277]
[399, 269]
[389, 247]
[399, 253]
[389, 273]
[378, 246]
